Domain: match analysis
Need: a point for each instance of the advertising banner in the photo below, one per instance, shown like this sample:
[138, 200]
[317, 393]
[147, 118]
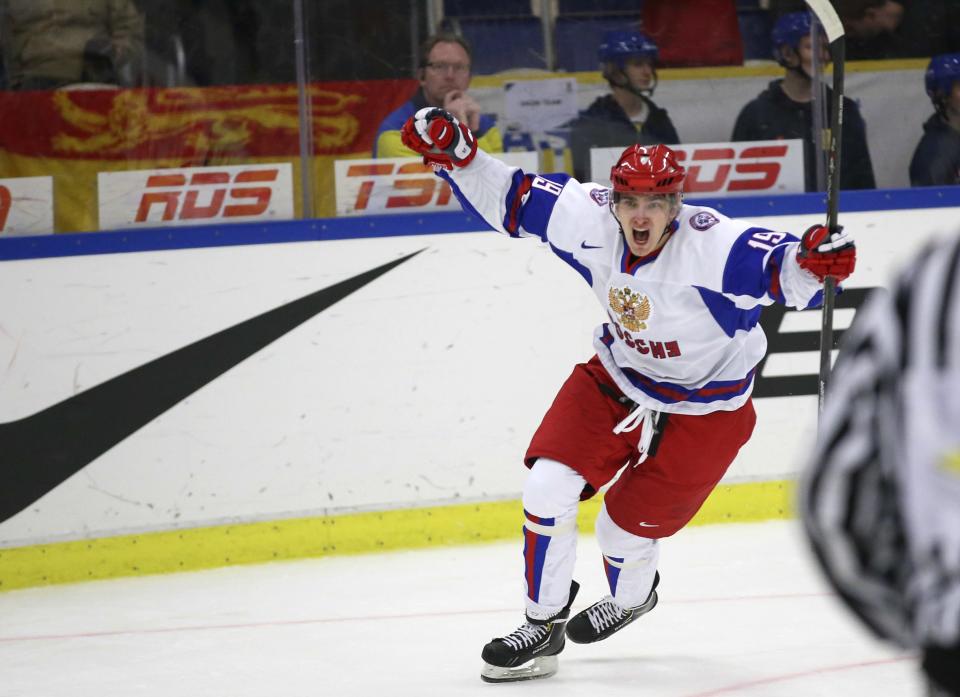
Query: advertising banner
[402, 185]
[195, 195]
[26, 206]
[727, 169]
[74, 135]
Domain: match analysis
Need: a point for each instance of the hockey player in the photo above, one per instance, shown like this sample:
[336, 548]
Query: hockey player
[936, 160]
[881, 495]
[668, 391]
[628, 114]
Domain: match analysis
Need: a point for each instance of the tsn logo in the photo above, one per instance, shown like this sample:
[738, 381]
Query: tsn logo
[247, 193]
[712, 169]
[414, 184]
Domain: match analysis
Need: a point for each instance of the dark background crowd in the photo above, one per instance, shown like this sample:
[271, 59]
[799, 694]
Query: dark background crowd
[223, 42]
[49, 44]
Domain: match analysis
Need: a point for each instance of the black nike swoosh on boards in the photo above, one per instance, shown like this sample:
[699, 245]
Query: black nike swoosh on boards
[40, 451]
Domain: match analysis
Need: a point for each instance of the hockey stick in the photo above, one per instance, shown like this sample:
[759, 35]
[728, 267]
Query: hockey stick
[834, 30]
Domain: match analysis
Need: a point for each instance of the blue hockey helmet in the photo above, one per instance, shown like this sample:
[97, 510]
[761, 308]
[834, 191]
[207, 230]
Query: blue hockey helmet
[788, 30]
[941, 74]
[617, 46]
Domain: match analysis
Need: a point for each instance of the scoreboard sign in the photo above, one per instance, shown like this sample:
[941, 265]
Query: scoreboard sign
[402, 185]
[750, 168]
[195, 195]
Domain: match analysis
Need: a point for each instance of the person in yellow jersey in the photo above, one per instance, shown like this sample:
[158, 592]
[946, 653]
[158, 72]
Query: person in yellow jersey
[444, 73]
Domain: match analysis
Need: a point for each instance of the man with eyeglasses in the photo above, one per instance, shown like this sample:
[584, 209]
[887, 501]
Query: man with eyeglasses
[444, 75]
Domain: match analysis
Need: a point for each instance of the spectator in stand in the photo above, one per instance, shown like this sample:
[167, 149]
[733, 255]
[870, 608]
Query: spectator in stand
[444, 75]
[936, 161]
[627, 115]
[56, 43]
[883, 29]
[785, 109]
[871, 27]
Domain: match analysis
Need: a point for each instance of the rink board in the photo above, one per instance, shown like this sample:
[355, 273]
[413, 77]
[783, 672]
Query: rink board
[396, 417]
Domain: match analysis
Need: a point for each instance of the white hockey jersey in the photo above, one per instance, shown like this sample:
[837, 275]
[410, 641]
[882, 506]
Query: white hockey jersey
[682, 334]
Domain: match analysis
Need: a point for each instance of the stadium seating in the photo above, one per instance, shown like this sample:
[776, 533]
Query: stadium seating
[503, 43]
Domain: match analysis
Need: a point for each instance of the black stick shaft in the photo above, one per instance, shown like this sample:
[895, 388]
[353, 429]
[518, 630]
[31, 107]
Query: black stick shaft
[837, 52]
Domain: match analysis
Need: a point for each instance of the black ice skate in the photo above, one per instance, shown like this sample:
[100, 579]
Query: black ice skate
[605, 617]
[530, 651]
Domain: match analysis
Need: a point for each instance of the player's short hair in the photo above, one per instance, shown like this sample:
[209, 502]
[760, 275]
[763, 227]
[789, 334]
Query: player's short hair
[443, 37]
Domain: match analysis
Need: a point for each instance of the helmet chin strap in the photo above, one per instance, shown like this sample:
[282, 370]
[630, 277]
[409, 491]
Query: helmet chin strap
[803, 73]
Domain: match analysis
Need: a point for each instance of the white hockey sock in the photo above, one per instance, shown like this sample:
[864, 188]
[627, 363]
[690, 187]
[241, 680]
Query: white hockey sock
[630, 561]
[550, 498]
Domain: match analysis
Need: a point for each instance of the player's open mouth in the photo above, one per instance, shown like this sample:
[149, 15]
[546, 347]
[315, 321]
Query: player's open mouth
[640, 236]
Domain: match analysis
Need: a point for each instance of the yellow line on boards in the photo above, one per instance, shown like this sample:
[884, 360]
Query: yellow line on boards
[758, 69]
[358, 533]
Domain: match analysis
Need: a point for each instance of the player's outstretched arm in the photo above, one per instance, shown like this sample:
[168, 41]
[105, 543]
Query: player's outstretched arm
[484, 185]
[440, 137]
[825, 252]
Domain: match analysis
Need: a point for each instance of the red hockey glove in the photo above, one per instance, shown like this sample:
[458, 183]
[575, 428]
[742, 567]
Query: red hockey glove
[440, 138]
[824, 253]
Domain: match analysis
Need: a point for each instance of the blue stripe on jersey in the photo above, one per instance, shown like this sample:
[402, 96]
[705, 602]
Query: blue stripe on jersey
[745, 272]
[536, 210]
[467, 206]
[577, 266]
[727, 314]
[817, 299]
[670, 393]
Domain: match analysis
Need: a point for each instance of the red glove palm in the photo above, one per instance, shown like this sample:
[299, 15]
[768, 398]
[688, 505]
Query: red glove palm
[440, 138]
[827, 253]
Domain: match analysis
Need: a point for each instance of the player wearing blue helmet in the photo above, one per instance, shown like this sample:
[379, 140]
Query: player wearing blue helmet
[628, 115]
[936, 161]
[785, 109]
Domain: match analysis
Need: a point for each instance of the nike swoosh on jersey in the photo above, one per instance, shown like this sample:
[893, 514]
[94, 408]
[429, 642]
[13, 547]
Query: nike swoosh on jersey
[584, 245]
[40, 451]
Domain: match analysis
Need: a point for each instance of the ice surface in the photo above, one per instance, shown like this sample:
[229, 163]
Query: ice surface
[742, 612]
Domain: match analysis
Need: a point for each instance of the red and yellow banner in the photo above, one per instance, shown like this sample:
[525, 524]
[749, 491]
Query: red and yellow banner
[73, 135]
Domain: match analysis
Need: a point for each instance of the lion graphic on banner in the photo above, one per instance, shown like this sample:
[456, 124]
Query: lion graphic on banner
[206, 119]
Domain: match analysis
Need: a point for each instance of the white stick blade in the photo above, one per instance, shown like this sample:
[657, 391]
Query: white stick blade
[828, 18]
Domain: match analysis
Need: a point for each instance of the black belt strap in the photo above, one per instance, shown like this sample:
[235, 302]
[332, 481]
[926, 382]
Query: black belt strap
[617, 395]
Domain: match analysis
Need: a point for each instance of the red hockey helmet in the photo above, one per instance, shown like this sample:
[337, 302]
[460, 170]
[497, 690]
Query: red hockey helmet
[647, 169]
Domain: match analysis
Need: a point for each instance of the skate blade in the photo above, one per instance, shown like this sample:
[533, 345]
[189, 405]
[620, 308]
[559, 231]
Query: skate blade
[540, 667]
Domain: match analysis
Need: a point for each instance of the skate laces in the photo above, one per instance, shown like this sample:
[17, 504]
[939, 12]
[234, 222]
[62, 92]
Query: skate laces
[605, 614]
[525, 635]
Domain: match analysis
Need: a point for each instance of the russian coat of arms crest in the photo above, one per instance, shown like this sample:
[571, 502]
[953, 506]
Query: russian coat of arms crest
[632, 308]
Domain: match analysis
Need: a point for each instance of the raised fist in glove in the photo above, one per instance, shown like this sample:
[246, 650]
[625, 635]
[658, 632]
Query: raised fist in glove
[440, 138]
[827, 253]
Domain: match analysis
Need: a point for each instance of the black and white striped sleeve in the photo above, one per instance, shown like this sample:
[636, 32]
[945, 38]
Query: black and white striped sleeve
[880, 496]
